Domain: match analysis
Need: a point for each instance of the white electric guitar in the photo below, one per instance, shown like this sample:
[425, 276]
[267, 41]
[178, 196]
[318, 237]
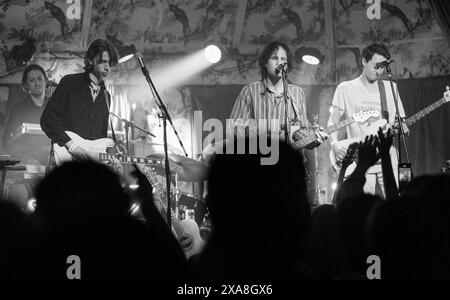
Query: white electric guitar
[374, 127]
[360, 117]
[97, 149]
[186, 231]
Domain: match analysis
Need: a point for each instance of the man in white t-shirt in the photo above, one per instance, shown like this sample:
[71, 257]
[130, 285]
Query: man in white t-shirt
[363, 94]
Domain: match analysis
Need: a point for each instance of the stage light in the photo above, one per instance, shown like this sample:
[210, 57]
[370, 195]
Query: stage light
[309, 55]
[312, 60]
[134, 209]
[334, 186]
[213, 54]
[126, 52]
[31, 205]
[133, 186]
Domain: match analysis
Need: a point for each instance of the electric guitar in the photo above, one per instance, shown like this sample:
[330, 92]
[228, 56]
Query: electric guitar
[98, 150]
[360, 117]
[186, 231]
[373, 130]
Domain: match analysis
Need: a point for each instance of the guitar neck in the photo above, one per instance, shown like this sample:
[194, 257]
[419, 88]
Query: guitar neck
[341, 175]
[161, 196]
[131, 159]
[305, 142]
[424, 112]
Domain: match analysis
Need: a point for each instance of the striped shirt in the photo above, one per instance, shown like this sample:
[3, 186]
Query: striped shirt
[257, 102]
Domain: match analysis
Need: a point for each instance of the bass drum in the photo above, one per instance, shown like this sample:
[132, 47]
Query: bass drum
[190, 202]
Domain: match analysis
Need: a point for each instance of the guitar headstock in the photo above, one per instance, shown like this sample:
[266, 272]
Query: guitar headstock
[447, 94]
[363, 116]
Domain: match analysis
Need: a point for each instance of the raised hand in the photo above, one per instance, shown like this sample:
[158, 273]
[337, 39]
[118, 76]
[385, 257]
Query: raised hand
[384, 142]
[367, 153]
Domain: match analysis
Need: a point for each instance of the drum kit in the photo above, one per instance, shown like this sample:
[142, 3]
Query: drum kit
[182, 169]
[191, 170]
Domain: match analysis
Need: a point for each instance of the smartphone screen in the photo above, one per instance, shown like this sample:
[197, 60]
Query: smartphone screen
[404, 175]
[404, 172]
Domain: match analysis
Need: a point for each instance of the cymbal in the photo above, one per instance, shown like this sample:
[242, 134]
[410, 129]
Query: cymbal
[191, 170]
[145, 141]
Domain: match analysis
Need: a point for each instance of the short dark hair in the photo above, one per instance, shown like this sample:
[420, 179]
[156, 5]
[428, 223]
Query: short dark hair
[373, 49]
[267, 53]
[94, 53]
[31, 68]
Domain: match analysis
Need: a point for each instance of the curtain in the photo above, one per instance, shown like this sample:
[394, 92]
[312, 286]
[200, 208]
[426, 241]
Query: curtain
[120, 107]
[429, 139]
[441, 11]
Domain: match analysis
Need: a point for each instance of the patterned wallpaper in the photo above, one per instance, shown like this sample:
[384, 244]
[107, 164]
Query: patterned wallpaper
[179, 27]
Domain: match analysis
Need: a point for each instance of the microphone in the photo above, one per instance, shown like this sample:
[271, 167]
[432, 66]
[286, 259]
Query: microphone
[280, 67]
[138, 55]
[383, 64]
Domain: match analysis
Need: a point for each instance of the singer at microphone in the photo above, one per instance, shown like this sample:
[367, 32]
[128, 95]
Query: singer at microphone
[383, 64]
[280, 67]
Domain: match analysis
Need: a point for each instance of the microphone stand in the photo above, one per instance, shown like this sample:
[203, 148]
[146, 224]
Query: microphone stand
[130, 124]
[164, 114]
[401, 133]
[285, 94]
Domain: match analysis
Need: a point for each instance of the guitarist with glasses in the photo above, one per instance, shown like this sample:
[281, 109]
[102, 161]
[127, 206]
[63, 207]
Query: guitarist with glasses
[366, 93]
[80, 103]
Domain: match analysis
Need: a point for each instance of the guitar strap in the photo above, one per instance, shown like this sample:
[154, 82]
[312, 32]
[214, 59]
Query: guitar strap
[384, 111]
[107, 100]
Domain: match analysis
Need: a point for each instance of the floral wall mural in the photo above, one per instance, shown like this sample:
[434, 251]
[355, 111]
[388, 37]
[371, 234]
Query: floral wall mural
[408, 27]
[179, 27]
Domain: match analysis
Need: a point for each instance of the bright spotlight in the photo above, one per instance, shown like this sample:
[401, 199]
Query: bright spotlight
[134, 208]
[312, 60]
[334, 186]
[133, 186]
[309, 55]
[213, 54]
[31, 205]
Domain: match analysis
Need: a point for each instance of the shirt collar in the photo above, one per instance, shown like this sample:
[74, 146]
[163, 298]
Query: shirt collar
[265, 88]
[90, 81]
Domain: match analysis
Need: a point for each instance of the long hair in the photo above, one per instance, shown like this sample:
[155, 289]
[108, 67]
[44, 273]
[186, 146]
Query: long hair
[94, 53]
[267, 53]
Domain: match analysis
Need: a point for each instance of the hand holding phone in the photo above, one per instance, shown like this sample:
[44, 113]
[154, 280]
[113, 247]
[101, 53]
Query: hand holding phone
[404, 175]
